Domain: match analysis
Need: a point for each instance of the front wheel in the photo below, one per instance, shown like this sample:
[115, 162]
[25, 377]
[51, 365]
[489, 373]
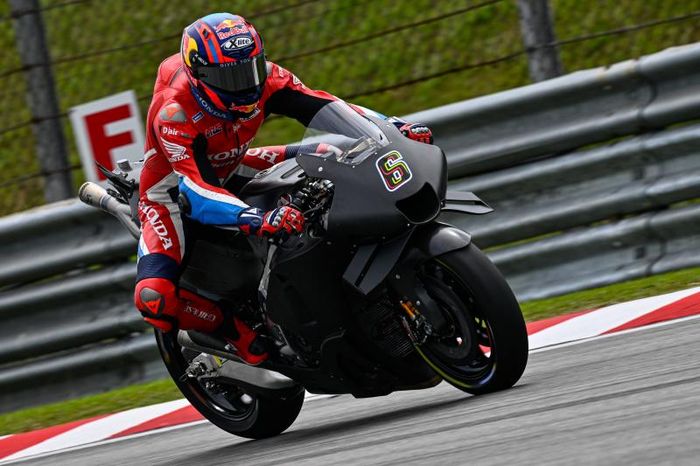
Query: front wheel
[228, 406]
[481, 345]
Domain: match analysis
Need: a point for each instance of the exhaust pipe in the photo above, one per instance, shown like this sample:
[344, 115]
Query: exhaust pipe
[95, 195]
[236, 371]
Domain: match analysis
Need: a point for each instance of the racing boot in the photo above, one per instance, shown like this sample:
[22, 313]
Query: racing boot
[248, 344]
[204, 315]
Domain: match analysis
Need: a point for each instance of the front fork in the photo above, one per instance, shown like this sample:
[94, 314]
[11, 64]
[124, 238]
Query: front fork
[422, 316]
[416, 325]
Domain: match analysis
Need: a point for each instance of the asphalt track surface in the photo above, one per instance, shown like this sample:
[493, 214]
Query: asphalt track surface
[632, 398]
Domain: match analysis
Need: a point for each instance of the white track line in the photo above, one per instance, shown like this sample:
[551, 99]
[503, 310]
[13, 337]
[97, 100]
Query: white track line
[600, 321]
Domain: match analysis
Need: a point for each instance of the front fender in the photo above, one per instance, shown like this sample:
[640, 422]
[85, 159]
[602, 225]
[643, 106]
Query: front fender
[436, 238]
[431, 240]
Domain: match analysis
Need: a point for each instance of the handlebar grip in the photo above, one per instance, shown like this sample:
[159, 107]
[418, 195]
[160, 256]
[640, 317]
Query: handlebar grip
[92, 194]
[95, 195]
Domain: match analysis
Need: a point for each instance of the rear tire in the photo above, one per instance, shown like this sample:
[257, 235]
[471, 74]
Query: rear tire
[485, 347]
[230, 407]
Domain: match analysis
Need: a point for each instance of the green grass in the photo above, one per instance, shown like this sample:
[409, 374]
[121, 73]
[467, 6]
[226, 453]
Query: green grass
[165, 390]
[612, 294]
[80, 408]
[103, 35]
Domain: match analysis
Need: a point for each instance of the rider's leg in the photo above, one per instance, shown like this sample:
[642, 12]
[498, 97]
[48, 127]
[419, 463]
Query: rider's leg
[157, 297]
[168, 308]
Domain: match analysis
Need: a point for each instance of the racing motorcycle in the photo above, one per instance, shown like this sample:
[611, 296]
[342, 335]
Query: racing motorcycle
[376, 295]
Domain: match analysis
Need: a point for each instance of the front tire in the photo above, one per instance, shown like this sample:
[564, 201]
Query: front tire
[230, 407]
[483, 347]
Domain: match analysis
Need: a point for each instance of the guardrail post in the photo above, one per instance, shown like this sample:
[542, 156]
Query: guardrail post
[41, 99]
[537, 29]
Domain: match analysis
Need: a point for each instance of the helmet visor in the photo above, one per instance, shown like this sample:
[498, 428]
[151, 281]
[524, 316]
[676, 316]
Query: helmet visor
[235, 77]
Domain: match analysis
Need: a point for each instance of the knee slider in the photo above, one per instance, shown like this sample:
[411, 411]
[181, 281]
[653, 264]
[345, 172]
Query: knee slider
[157, 301]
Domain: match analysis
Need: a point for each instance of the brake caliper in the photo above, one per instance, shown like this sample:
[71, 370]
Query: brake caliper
[417, 326]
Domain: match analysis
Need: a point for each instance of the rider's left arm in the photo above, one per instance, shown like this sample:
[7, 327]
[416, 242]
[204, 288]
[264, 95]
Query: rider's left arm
[415, 131]
[288, 96]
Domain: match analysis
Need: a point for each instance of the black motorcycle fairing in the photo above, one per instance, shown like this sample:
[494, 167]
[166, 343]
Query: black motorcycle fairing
[302, 286]
[317, 313]
[363, 204]
[466, 203]
[282, 175]
[265, 189]
[372, 263]
[210, 251]
[345, 367]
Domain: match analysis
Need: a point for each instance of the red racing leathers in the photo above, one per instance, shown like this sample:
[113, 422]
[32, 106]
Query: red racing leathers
[195, 149]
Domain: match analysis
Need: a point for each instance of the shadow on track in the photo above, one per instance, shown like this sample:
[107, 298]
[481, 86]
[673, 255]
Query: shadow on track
[295, 437]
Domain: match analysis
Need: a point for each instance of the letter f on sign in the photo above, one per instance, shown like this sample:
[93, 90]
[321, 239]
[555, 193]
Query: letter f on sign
[107, 130]
[102, 143]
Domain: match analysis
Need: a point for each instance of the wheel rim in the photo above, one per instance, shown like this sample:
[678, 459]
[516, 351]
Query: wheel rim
[463, 351]
[228, 401]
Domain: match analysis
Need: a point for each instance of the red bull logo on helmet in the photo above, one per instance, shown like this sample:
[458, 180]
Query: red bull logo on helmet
[228, 28]
[226, 24]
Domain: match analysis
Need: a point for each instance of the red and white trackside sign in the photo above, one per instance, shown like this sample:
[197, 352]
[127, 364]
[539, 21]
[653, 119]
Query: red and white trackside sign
[107, 130]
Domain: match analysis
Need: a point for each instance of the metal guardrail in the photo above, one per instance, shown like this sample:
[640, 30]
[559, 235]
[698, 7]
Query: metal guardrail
[512, 127]
[56, 239]
[581, 188]
[564, 220]
[635, 247]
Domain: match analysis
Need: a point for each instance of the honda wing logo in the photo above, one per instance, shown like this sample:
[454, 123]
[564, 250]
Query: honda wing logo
[393, 170]
[176, 151]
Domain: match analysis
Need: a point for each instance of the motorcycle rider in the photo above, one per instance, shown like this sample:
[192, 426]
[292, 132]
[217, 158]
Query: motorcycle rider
[208, 104]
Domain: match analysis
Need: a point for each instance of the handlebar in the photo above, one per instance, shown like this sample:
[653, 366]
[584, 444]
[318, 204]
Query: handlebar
[95, 195]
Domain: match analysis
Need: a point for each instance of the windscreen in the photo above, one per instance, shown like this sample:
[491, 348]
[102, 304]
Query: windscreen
[342, 131]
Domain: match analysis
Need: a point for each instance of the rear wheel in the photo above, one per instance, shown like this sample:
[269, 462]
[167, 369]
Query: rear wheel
[229, 406]
[482, 343]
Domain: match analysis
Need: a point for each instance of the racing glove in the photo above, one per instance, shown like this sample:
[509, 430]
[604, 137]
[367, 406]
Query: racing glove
[281, 221]
[415, 131]
[418, 132]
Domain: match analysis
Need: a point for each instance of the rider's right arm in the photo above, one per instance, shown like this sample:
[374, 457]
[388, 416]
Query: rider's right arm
[185, 149]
